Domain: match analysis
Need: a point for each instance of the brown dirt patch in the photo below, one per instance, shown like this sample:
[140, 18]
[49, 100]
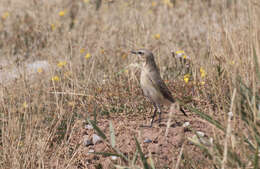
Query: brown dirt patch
[164, 150]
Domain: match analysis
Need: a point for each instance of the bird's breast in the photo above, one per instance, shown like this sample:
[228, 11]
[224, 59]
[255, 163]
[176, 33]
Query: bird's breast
[149, 88]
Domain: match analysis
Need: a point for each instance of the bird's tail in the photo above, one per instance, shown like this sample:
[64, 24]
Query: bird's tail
[181, 109]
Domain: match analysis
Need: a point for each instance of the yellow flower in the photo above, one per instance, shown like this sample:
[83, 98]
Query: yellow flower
[168, 2]
[87, 56]
[53, 27]
[99, 90]
[202, 72]
[5, 15]
[25, 105]
[71, 103]
[202, 83]
[185, 57]
[82, 50]
[39, 70]
[21, 144]
[124, 56]
[126, 71]
[62, 13]
[102, 51]
[86, 1]
[62, 63]
[157, 36]
[180, 52]
[232, 62]
[186, 78]
[55, 78]
[154, 4]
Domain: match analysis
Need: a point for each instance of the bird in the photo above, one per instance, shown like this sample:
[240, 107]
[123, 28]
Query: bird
[152, 84]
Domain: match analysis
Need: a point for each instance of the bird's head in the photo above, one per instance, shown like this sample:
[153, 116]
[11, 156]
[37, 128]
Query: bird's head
[144, 54]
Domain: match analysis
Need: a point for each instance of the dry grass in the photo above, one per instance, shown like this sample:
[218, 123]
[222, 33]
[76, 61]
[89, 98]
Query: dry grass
[41, 118]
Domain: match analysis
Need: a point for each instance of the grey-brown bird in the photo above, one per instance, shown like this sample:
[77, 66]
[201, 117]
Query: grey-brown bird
[152, 84]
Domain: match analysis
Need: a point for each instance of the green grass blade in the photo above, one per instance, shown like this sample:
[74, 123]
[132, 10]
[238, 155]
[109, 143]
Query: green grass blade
[202, 147]
[135, 158]
[97, 129]
[205, 117]
[246, 90]
[98, 4]
[121, 154]
[95, 114]
[151, 161]
[144, 161]
[256, 159]
[106, 154]
[112, 135]
[257, 135]
[256, 65]
[251, 146]
[235, 158]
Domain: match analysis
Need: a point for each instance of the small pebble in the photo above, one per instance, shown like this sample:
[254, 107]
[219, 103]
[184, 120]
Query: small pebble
[147, 140]
[87, 141]
[113, 157]
[91, 151]
[211, 141]
[88, 127]
[96, 139]
[230, 114]
[200, 133]
[186, 124]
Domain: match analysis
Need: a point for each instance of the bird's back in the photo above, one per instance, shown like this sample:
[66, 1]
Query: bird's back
[153, 82]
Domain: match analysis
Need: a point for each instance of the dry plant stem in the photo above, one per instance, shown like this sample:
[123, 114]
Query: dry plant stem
[254, 98]
[56, 96]
[91, 71]
[73, 156]
[172, 110]
[228, 133]
[179, 157]
[69, 93]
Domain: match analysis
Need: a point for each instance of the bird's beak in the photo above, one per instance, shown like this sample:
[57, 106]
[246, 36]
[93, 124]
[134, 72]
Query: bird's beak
[133, 52]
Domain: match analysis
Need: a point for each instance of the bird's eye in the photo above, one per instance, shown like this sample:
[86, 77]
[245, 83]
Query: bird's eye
[140, 53]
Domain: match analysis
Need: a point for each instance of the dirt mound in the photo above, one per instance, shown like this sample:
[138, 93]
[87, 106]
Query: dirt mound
[164, 150]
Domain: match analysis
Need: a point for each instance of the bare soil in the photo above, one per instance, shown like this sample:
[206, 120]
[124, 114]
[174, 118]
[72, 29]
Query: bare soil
[164, 150]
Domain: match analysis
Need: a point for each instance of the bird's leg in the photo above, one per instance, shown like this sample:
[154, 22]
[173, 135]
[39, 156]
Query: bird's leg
[154, 114]
[160, 113]
[183, 111]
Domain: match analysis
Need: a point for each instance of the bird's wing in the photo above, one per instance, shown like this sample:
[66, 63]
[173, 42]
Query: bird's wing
[161, 86]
